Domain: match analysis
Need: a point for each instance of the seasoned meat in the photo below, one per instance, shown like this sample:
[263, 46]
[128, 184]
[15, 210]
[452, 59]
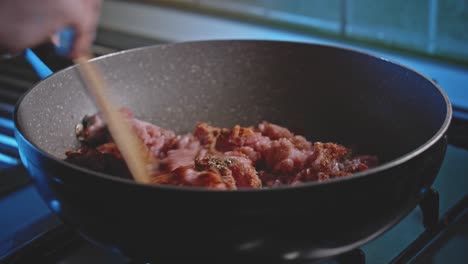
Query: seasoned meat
[104, 159]
[274, 131]
[183, 152]
[329, 160]
[267, 155]
[284, 157]
[93, 131]
[206, 134]
[188, 176]
[245, 140]
[157, 140]
[244, 172]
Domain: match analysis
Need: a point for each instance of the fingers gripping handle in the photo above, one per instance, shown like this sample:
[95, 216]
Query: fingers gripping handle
[66, 39]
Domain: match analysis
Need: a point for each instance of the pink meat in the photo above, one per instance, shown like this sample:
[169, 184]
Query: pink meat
[185, 150]
[219, 158]
[284, 157]
[274, 131]
[154, 137]
[188, 176]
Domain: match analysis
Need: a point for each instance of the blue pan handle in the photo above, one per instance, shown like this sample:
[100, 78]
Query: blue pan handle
[66, 37]
[39, 66]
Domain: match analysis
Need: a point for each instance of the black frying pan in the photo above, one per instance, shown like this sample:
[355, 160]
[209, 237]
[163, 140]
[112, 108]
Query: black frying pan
[328, 93]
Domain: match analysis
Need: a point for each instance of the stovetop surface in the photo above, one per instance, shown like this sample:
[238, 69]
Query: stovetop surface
[26, 210]
[25, 218]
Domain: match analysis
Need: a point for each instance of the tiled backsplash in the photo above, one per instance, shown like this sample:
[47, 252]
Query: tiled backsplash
[431, 27]
[171, 25]
[452, 27]
[397, 22]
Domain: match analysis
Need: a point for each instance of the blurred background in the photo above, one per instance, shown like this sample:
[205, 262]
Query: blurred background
[431, 28]
[428, 35]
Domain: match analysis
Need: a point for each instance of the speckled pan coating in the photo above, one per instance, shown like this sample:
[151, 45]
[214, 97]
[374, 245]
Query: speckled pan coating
[319, 91]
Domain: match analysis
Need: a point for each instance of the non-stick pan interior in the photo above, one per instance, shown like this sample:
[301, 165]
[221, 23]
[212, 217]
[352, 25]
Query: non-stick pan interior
[324, 93]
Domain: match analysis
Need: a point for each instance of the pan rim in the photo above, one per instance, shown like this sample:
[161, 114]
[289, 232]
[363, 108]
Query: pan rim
[383, 167]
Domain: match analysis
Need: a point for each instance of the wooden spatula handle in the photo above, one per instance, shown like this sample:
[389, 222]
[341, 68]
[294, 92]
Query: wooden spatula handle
[131, 147]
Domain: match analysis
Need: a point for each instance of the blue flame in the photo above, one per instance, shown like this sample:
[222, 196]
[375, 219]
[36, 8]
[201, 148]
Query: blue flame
[8, 160]
[6, 123]
[9, 141]
[55, 205]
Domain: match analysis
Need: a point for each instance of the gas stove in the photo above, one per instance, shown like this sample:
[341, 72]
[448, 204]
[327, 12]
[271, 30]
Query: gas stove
[435, 232]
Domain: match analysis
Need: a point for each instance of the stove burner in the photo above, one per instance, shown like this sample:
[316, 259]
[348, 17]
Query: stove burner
[54, 242]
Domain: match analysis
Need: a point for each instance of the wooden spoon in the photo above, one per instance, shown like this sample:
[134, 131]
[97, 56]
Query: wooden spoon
[131, 147]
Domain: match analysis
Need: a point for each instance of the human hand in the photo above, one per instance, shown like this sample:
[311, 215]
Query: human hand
[26, 23]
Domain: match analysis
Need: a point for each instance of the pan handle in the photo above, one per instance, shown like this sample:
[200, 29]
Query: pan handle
[429, 198]
[433, 164]
[63, 48]
[39, 66]
[66, 38]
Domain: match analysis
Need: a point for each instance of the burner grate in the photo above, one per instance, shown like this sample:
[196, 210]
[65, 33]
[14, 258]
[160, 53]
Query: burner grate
[15, 78]
[57, 242]
[430, 236]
